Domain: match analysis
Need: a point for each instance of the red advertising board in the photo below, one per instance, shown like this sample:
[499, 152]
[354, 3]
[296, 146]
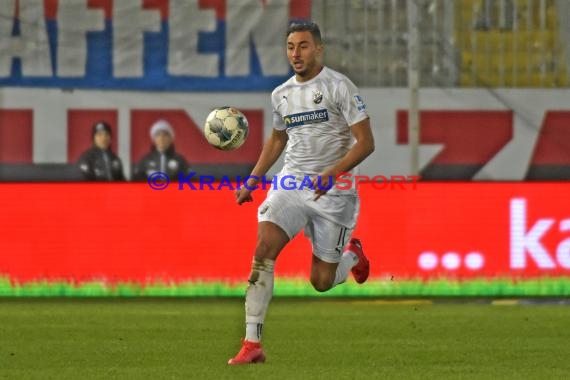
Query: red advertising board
[129, 232]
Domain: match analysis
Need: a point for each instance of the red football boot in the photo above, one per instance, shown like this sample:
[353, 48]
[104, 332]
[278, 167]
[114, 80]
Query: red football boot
[361, 270]
[250, 353]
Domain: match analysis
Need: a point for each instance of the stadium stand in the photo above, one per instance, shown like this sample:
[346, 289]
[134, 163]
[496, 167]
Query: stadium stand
[466, 43]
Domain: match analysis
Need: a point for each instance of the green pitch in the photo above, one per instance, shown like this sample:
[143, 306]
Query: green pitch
[304, 339]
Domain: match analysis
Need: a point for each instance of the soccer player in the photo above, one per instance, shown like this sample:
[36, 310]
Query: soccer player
[321, 120]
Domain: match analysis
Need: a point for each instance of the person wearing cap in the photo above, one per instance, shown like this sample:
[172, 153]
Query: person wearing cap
[100, 163]
[162, 156]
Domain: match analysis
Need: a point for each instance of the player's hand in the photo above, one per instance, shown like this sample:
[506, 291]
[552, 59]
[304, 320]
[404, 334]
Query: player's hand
[243, 195]
[323, 182]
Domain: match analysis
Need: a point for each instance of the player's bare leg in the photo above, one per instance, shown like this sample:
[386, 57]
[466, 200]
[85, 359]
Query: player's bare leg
[325, 276]
[322, 274]
[271, 239]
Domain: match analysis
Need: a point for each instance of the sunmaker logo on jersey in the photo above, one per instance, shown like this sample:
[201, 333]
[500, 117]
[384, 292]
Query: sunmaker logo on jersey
[305, 118]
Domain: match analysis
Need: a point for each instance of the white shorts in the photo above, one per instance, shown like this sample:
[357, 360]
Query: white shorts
[328, 222]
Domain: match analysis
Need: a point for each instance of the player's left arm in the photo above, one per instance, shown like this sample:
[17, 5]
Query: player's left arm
[362, 148]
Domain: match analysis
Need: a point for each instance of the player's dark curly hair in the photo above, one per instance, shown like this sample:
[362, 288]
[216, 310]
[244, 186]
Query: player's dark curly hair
[306, 27]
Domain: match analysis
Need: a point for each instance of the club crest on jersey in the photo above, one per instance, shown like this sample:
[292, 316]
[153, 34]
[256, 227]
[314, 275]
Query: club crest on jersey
[317, 96]
[305, 118]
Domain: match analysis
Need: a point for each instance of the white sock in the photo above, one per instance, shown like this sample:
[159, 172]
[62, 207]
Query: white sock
[258, 294]
[253, 332]
[347, 261]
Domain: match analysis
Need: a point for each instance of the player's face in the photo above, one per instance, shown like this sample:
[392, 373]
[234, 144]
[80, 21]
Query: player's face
[162, 141]
[304, 54]
[102, 140]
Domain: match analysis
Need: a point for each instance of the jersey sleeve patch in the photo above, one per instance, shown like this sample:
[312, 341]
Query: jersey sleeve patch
[359, 103]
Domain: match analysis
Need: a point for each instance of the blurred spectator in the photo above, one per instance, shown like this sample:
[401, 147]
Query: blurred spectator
[99, 163]
[162, 156]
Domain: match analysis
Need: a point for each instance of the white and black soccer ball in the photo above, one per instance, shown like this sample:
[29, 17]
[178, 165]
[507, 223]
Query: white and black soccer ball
[226, 128]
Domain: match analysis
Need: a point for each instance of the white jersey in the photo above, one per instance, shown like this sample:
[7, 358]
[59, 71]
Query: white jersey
[317, 115]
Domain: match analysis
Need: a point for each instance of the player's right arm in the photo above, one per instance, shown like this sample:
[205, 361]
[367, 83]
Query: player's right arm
[271, 151]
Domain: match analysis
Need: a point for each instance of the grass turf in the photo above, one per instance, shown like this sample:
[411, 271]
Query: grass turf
[313, 339]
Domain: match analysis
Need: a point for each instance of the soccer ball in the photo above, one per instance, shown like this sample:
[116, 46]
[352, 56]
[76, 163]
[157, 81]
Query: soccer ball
[226, 128]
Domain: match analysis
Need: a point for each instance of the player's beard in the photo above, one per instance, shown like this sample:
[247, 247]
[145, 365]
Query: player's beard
[304, 72]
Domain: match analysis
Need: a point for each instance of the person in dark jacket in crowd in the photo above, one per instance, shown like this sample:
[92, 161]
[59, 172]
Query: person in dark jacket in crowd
[99, 163]
[162, 156]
